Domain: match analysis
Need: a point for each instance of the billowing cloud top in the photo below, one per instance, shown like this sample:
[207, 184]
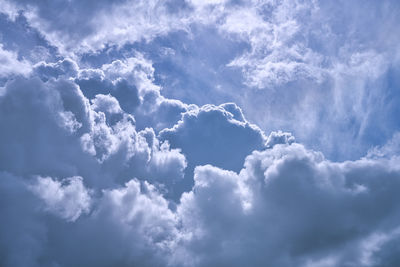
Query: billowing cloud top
[199, 133]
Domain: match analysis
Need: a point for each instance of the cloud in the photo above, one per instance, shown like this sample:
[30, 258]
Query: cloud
[279, 137]
[65, 161]
[290, 206]
[10, 65]
[97, 24]
[323, 65]
[213, 135]
[63, 68]
[67, 199]
[22, 233]
[60, 133]
[40, 125]
[100, 165]
[128, 225]
[22, 39]
[131, 225]
[388, 150]
[300, 55]
[213, 190]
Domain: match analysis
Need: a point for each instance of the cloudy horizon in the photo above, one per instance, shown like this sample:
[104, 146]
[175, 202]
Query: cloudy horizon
[199, 133]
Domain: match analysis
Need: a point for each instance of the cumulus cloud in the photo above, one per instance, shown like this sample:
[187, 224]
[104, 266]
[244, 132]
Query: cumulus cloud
[135, 197]
[279, 137]
[213, 135]
[66, 159]
[67, 199]
[128, 226]
[54, 130]
[287, 206]
[290, 206]
[63, 68]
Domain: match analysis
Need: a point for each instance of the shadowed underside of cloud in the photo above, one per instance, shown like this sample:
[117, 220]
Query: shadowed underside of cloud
[99, 168]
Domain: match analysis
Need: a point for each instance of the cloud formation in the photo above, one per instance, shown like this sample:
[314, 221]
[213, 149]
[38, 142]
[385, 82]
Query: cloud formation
[80, 173]
[289, 206]
[281, 61]
[102, 164]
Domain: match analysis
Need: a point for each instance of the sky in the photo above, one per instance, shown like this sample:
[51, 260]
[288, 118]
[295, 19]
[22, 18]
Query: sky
[199, 133]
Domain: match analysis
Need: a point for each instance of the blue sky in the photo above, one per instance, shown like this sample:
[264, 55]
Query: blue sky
[199, 133]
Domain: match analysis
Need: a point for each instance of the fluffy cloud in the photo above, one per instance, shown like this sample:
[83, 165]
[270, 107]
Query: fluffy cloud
[60, 133]
[67, 199]
[131, 225]
[40, 126]
[135, 197]
[127, 226]
[289, 206]
[213, 135]
[279, 138]
[83, 151]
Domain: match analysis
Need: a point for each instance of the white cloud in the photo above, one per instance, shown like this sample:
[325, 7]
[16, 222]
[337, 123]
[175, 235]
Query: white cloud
[277, 55]
[67, 198]
[279, 137]
[11, 65]
[136, 70]
[106, 104]
[78, 27]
